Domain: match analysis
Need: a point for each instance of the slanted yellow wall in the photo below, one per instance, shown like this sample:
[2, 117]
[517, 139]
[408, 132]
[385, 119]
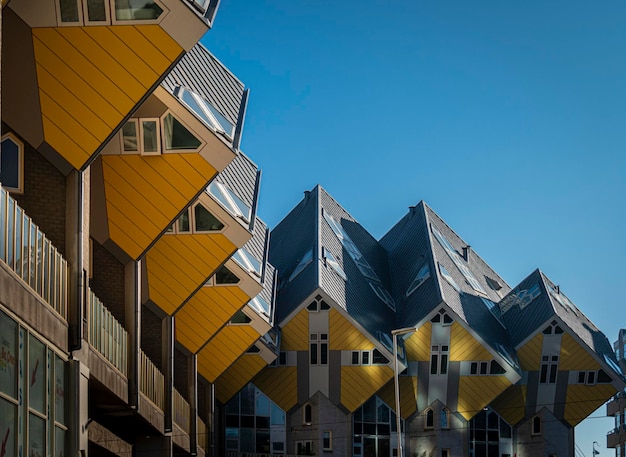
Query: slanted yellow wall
[511, 404]
[417, 345]
[358, 383]
[463, 346]
[529, 355]
[279, 384]
[476, 392]
[582, 400]
[295, 334]
[408, 395]
[238, 375]
[223, 349]
[344, 335]
[574, 357]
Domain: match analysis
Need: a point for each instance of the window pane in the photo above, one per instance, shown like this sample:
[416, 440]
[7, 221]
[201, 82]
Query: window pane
[183, 222]
[59, 442]
[225, 276]
[8, 358]
[313, 353]
[150, 136]
[8, 422]
[136, 10]
[96, 10]
[37, 375]
[323, 354]
[10, 163]
[129, 136]
[69, 10]
[177, 136]
[277, 415]
[36, 436]
[205, 221]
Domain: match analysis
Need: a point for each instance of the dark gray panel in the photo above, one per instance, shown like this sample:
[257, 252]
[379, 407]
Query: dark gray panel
[454, 370]
[334, 374]
[303, 376]
[531, 393]
[561, 393]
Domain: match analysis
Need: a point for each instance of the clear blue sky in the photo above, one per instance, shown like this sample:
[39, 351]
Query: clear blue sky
[507, 118]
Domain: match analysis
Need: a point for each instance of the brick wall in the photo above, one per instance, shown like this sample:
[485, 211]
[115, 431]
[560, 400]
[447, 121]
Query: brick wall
[180, 373]
[107, 281]
[44, 195]
[151, 336]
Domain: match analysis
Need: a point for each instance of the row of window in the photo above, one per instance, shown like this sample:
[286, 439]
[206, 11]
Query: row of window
[152, 136]
[98, 12]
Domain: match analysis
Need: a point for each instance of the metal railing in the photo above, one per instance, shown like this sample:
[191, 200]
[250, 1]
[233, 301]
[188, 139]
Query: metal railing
[27, 251]
[203, 434]
[182, 412]
[151, 381]
[106, 334]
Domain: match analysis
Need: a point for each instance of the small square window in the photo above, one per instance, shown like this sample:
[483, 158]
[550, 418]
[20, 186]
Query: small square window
[327, 440]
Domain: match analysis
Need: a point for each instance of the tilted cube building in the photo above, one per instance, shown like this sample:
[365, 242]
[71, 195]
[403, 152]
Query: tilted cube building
[485, 369]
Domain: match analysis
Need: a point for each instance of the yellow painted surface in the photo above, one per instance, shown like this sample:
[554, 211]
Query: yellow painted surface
[417, 345]
[145, 193]
[344, 335]
[582, 400]
[408, 395]
[358, 383]
[295, 334]
[182, 263]
[91, 77]
[574, 356]
[223, 349]
[237, 376]
[529, 355]
[476, 392]
[511, 404]
[205, 313]
[280, 385]
[463, 346]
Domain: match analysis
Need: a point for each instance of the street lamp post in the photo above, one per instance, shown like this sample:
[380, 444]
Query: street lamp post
[394, 334]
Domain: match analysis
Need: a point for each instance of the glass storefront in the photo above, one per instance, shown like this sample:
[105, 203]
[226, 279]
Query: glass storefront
[374, 426]
[33, 417]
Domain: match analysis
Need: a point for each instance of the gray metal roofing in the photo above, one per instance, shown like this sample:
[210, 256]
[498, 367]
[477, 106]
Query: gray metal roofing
[291, 239]
[258, 243]
[241, 177]
[200, 72]
[355, 295]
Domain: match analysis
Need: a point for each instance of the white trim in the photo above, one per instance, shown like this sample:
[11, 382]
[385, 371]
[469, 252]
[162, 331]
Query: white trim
[20, 163]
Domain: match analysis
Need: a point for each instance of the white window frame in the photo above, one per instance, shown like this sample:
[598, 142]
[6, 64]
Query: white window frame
[107, 13]
[109, 5]
[20, 163]
[140, 144]
[329, 446]
[318, 339]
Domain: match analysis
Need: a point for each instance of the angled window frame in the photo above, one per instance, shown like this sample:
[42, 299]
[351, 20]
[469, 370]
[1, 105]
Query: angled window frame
[20, 162]
[423, 274]
[157, 20]
[332, 262]
[305, 261]
[164, 148]
[207, 113]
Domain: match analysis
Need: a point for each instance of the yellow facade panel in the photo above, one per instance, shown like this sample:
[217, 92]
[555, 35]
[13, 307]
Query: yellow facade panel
[142, 47]
[129, 52]
[417, 345]
[476, 392]
[57, 137]
[49, 62]
[295, 334]
[161, 40]
[231, 342]
[96, 125]
[53, 39]
[280, 385]
[529, 355]
[463, 346]
[237, 376]
[574, 356]
[358, 383]
[344, 335]
[582, 400]
[408, 395]
[122, 72]
[511, 405]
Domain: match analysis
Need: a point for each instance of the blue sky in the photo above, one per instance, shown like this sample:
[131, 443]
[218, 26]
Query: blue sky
[506, 118]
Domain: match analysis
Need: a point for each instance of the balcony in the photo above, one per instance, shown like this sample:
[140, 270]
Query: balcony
[616, 436]
[26, 250]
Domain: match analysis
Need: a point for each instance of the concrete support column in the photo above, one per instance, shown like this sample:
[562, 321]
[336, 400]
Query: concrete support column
[79, 406]
[132, 285]
[167, 356]
[213, 445]
[192, 379]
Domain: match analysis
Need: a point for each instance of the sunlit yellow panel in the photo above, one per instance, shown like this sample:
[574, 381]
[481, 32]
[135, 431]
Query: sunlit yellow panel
[280, 385]
[231, 342]
[182, 263]
[529, 355]
[476, 392]
[238, 375]
[463, 346]
[417, 345]
[149, 192]
[344, 336]
[574, 356]
[358, 383]
[295, 334]
[511, 404]
[582, 400]
[205, 313]
[90, 78]
[408, 395]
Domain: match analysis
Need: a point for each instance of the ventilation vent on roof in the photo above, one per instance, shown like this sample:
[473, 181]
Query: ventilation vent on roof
[467, 250]
[494, 284]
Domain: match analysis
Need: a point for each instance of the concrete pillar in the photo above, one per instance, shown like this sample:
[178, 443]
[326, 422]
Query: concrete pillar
[192, 379]
[132, 285]
[167, 356]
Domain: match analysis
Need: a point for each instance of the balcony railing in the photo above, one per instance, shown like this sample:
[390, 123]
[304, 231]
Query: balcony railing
[106, 334]
[182, 413]
[151, 382]
[203, 434]
[26, 250]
